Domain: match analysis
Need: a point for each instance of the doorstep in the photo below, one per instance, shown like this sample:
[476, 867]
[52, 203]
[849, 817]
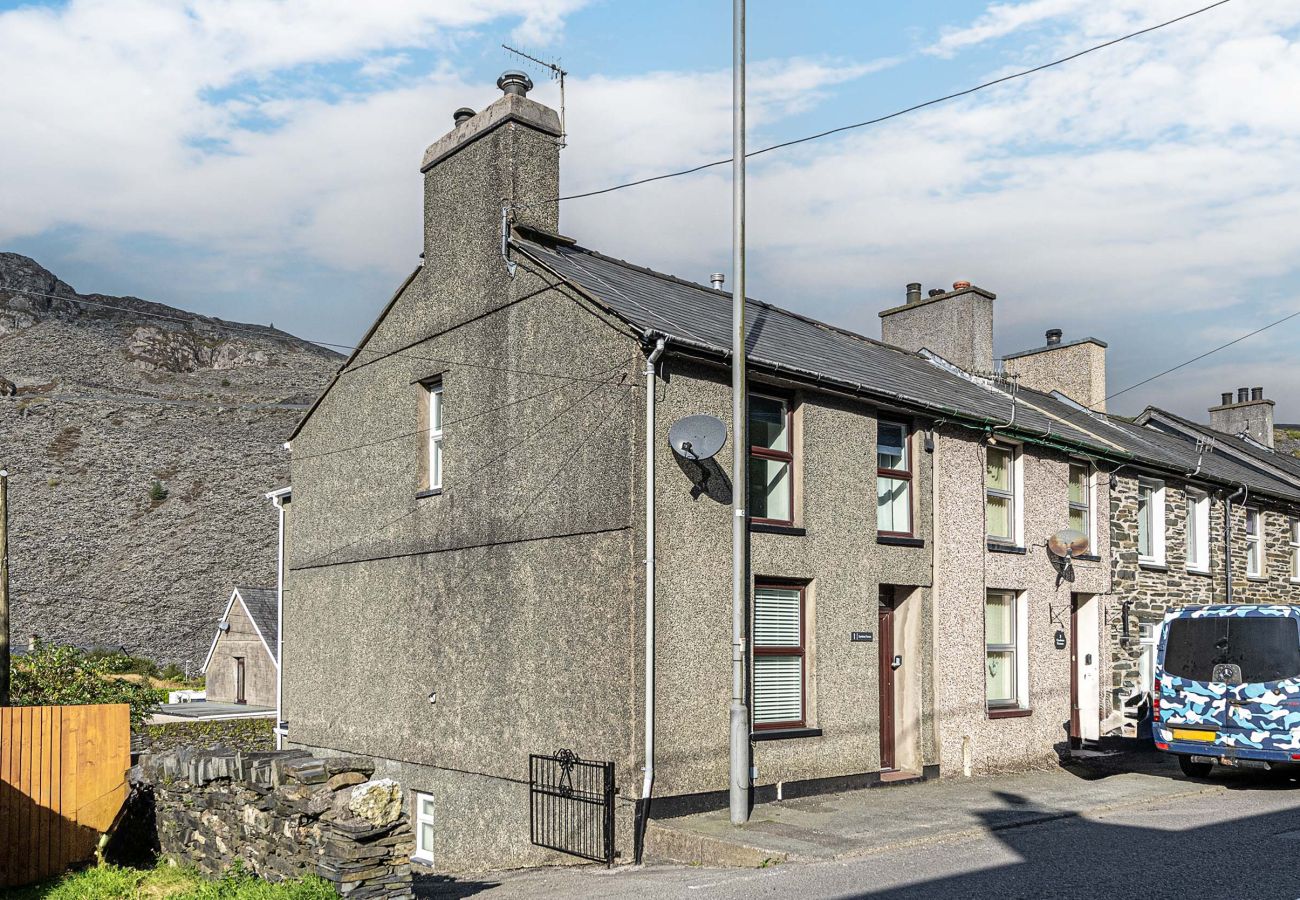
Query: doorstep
[852, 823]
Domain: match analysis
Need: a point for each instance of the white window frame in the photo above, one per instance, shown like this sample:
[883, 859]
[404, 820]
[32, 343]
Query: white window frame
[1255, 565]
[421, 818]
[1156, 529]
[434, 411]
[1198, 531]
[1019, 649]
[1016, 495]
[1087, 505]
[1294, 542]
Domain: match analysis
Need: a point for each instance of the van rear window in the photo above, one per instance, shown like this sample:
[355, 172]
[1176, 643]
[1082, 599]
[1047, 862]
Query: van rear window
[1267, 648]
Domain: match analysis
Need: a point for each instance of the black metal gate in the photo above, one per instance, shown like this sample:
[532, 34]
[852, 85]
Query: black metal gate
[571, 804]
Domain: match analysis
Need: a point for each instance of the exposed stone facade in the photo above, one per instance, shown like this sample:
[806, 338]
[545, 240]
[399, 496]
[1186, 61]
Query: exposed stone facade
[283, 815]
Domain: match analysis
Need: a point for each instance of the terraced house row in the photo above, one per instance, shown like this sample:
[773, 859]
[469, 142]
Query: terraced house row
[473, 588]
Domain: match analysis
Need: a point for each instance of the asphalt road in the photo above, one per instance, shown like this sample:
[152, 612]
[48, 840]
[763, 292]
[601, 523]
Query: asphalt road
[1240, 842]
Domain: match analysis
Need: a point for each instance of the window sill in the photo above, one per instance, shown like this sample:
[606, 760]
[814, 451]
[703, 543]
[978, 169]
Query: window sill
[428, 492]
[1204, 573]
[1088, 557]
[898, 540]
[1257, 579]
[777, 528]
[995, 547]
[781, 734]
[1012, 713]
[1152, 565]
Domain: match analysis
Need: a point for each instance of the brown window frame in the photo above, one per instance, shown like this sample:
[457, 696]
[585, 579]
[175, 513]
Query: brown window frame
[899, 474]
[786, 456]
[801, 651]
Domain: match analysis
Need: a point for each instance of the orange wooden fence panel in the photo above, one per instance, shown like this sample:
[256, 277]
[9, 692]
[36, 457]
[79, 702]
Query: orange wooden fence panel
[62, 782]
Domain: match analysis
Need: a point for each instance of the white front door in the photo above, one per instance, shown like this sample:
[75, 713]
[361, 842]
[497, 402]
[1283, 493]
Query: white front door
[1087, 664]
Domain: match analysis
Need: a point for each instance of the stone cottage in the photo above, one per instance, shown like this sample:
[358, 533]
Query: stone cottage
[466, 576]
[242, 664]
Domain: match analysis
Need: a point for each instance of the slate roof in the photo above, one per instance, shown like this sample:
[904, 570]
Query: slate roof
[1232, 442]
[784, 342]
[261, 605]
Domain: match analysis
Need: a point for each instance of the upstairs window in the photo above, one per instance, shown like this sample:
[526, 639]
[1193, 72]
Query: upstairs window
[1294, 540]
[779, 669]
[893, 479]
[1254, 546]
[1198, 531]
[1000, 494]
[771, 461]
[1151, 522]
[433, 414]
[1081, 498]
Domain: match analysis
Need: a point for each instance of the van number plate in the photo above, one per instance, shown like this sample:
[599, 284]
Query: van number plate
[1190, 734]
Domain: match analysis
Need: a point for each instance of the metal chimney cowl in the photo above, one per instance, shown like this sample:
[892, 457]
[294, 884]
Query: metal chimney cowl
[513, 81]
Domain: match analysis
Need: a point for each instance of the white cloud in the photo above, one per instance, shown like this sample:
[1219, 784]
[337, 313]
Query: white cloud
[1000, 20]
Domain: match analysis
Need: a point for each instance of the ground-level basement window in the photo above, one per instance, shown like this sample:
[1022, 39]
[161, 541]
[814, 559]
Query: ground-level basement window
[1005, 660]
[778, 656]
[423, 827]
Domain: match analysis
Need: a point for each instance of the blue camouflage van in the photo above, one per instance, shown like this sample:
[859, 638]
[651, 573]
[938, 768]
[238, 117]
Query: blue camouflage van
[1227, 687]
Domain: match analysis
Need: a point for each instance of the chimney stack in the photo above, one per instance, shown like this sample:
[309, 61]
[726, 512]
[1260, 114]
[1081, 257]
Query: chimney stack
[1251, 415]
[506, 155]
[956, 324]
[1076, 368]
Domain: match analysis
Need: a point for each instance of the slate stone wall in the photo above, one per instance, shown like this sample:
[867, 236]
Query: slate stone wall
[1154, 589]
[283, 814]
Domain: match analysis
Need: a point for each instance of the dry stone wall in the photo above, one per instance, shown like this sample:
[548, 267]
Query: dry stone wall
[283, 814]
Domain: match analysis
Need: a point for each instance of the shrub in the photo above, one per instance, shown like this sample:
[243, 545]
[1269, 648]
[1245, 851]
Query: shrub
[120, 662]
[157, 492]
[248, 735]
[55, 675]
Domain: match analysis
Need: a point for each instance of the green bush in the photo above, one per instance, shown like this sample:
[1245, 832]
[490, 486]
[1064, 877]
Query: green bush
[171, 883]
[54, 675]
[157, 492]
[120, 663]
[248, 735]
[172, 672]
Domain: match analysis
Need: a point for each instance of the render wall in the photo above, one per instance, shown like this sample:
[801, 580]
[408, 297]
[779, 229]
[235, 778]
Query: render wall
[965, 569]
[1152, 589]
[259, 670]
[958, 327]
[456, 633]
[834, 548]
[1076, 370]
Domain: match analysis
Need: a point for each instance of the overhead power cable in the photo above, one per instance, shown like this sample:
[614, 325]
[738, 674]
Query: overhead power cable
[893, 115]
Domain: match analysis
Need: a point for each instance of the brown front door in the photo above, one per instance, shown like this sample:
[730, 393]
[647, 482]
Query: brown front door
[239, 680]
[885, 637]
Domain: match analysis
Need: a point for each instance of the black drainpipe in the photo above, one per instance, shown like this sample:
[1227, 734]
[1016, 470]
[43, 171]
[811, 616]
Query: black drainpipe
[1227, 542]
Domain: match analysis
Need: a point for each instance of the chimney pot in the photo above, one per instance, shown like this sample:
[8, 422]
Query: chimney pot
[1257, 393]
[515, 82]
[914, 292]
[960, 285]
[935, 292]
[1243, 394]
[1053, 336]
[1225, 398]
[717, 279]
[462, 114]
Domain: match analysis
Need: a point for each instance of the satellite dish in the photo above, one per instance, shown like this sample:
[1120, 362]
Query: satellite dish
[223, 626]
[697, 437]
[1068, 543]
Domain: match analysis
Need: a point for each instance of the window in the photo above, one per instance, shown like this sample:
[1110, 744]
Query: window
[1198, 531]
[778, 656]
[423, 826]
[893, 478]
[1294, 541]
[771, 461]
[1081, 498]
[1266, 648]
[1254, 554]
[1006, 664]
[1151, 522]
[434, 417]
[1000, 494]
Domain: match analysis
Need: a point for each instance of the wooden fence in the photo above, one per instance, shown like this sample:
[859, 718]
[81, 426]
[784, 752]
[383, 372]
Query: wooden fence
[62, 783]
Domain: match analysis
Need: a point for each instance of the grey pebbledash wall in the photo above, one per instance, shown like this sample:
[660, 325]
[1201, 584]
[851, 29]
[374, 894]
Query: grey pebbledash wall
[283, 814]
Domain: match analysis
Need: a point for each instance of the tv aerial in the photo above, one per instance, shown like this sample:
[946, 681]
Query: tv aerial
[697, 437]
[557, 74]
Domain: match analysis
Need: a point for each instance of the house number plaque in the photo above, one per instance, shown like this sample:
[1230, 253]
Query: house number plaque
[1060, 639]
[857, 636]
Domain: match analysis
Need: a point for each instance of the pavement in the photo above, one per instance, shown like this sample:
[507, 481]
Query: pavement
[1118, 827]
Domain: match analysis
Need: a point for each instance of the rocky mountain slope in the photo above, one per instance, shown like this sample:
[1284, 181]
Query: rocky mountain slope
[140, 440]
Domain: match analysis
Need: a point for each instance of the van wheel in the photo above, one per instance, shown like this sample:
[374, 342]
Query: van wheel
[1194, 769]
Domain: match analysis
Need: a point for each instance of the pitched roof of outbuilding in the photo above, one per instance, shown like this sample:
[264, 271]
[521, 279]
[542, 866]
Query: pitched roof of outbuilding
[262, 604]
[786, 343]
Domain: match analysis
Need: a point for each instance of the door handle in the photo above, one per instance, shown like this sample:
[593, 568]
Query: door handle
[897, 663]
[1087, 659]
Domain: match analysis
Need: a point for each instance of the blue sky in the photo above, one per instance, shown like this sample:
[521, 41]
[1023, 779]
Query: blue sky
[258, 160]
